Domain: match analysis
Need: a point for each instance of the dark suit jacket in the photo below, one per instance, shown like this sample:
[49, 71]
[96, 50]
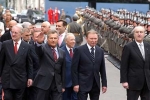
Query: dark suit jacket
[84, 70]
[6, 36]
[35, 58]
[0, 46]
[68, 68]
[49, 69]
[134, 69]
[15, 69]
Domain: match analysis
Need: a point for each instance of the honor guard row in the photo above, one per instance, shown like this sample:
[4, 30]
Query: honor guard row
[114, 27]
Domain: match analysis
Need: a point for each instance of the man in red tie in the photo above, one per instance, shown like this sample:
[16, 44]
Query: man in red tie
[69, 94]
[50, 79]
[15, 66]
[50, 16]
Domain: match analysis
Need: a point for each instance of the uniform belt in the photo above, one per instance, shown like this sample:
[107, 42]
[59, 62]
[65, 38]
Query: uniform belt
[76, 33]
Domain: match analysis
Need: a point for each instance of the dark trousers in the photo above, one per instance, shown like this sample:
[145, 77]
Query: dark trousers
[13, 94]
[134, 94]
[30, 93]
[93, 93]
[69, 94]
[0, 91]
[50, 94]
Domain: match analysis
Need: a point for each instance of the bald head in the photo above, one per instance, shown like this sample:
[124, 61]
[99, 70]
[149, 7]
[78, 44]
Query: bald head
[47, 23]
[12, 23]
[45, 27]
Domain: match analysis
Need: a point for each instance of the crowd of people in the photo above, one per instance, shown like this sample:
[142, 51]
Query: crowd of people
[51, 64]
[54, 15]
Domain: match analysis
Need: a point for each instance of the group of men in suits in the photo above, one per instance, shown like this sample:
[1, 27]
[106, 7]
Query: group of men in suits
[49, 64]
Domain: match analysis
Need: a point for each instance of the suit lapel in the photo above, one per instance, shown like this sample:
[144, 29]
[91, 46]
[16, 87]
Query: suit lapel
[67, 53]
[137, 50]
[86, 49]
[49, 51]
[20, 51]
[146, 51]
[96, 53]
[11, 51]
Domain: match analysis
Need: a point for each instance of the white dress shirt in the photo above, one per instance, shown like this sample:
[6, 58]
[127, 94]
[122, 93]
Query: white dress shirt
[142, 46]
[19, 42]
[89, 47]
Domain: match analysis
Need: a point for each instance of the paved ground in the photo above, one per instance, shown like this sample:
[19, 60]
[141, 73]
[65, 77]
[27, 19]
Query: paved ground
[115, 90]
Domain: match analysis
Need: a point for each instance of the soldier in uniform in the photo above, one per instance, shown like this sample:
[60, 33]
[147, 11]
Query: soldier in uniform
[75, 28]
[147, 37]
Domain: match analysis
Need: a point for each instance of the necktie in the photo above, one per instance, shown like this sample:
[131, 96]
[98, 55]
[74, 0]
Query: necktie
[54, 54]
[142, 51]
[71, 53]
[60, 40]
[92, 54]
[15, 47]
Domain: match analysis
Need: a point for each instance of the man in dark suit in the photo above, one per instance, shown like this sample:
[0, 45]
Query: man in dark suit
[15, 66]
[7, 34]
[61, 28]
[30, 93]
[88, 64]
[135, 69]
[50, 79]
[69, 94]
[75, 28]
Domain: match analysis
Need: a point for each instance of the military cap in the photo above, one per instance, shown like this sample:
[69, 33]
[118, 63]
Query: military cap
[75, 17]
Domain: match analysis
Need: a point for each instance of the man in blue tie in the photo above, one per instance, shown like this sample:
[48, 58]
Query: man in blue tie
[69, 94]
[88, 66]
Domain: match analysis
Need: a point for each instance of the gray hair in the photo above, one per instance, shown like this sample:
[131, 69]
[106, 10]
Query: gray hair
[25, 30]
[69, 34]
[133, 31]
[26, 24]
[19, 26]
[47, 23]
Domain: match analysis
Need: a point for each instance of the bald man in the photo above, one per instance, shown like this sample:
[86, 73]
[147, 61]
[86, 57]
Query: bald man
[7, 34]
[45, 28]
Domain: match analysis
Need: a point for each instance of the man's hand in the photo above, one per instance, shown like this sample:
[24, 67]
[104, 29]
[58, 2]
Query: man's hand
[125, 85]
[63, 90]
[104, 89]
[76, 88]
[40, 38]
[29, 83]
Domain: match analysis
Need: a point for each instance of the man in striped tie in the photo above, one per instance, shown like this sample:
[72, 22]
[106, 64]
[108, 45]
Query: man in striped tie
[88, 64]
